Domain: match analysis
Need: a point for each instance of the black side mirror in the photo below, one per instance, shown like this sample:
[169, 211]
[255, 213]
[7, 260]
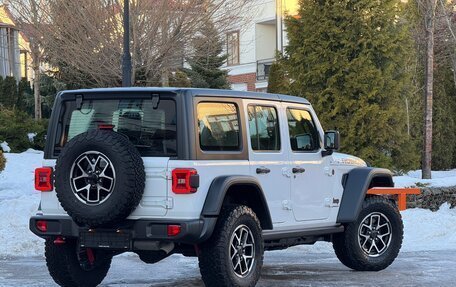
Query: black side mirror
[332, 142]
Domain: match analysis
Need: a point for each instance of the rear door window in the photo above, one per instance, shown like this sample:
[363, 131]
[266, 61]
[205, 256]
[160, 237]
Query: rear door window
[150, 127]
[264, 128]
[218, 127]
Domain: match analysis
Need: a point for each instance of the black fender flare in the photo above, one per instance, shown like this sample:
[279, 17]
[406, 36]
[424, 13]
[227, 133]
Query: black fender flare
[356, 183]
[219, 188]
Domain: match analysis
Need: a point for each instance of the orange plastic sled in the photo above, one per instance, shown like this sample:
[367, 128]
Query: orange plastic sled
[400, 193]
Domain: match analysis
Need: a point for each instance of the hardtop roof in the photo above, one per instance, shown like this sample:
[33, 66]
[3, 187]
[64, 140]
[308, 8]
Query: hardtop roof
[195, 92]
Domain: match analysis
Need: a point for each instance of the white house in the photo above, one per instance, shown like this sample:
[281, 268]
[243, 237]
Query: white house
[251, 48]
[9, 52]
[15, 58]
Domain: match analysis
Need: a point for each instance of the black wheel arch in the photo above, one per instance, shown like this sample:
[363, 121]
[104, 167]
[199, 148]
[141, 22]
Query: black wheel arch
[356, 183]
[239, 189]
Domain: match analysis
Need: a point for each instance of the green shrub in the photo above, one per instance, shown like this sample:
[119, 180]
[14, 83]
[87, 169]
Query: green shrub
[179, 79]
[2, 161]
[41, 130]
[8, 92]
[15, 126]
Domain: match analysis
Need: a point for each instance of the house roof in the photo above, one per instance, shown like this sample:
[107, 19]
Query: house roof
[7, 20]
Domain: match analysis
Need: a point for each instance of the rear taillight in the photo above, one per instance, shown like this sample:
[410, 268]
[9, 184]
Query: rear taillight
[43, 179]
[42, 226]
[185, 180]
[173, 230]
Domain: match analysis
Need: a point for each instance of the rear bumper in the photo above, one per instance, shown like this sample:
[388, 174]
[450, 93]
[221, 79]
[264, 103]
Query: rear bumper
[192, 231]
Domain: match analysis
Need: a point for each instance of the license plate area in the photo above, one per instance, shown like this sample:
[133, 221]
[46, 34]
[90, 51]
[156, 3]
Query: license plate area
[105, 239]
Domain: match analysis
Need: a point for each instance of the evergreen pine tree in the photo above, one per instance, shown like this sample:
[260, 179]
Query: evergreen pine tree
[348, 58]
[207, 60]
[9, 92]
[179, 79]
[49, 87]
[444, 124]
[2, 97]
[278, 82]
[24, 92]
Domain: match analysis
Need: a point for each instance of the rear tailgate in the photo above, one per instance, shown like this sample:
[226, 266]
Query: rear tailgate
[155, 199]
[153, 204]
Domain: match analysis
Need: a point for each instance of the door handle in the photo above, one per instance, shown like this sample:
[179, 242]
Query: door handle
[263, 170]
[298, 170]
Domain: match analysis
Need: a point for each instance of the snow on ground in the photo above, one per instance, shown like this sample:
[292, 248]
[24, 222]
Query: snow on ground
[424, 230]
[18, 201]
[439, 179]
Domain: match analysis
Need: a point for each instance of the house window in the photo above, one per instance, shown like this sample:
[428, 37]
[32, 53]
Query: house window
[233, 48]
[24, 64]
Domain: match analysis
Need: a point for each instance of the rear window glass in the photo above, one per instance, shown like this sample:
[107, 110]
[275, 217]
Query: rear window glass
[218, 126]
[150, 127]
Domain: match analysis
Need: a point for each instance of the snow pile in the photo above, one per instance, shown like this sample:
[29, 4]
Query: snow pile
[4, 146]
[31, 136]
[439, 179]
[424, 230]
[19, 201]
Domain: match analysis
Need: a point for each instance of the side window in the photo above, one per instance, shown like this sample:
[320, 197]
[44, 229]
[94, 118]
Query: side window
[218, 127]
[303, 132]
[232, 48]
[264, 128]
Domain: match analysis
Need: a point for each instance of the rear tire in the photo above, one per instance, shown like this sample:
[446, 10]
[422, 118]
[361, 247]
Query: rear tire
[373, 241]
[221, 257]
[69, 269]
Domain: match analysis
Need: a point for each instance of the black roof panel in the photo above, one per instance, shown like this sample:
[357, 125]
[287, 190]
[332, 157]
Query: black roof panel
[198, 92]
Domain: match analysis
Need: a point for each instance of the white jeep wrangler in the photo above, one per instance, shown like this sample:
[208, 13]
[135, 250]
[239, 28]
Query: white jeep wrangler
[221, 175]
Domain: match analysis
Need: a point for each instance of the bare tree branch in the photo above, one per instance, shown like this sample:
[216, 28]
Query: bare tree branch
[84, 38]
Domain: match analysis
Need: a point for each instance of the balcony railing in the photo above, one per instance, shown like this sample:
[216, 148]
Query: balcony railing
[263, 68]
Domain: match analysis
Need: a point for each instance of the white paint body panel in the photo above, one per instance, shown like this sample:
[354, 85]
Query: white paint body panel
[153, 203]
[310, 190]
[276, 184]
[295, 202]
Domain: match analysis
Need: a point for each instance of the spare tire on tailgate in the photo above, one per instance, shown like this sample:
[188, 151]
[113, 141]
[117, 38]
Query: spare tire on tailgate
[99, 178]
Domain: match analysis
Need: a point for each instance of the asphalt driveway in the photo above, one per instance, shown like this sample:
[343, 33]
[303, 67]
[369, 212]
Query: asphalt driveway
[282, 268]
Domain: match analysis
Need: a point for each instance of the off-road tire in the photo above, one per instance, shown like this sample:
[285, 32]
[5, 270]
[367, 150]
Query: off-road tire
[129, 178]
[214, 260]
[64, 266]
[348, 249]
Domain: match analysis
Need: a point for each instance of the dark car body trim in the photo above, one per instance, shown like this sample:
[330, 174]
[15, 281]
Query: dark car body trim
[298, 233]
[199, 91]
[356, 183]
[192, 231]
[219, 188]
